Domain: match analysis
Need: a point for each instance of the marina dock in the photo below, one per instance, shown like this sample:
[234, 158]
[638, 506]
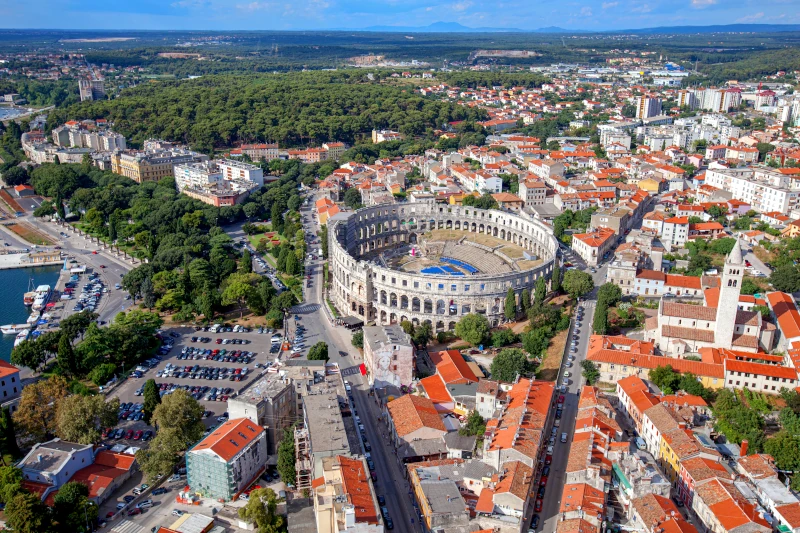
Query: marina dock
[30, 259]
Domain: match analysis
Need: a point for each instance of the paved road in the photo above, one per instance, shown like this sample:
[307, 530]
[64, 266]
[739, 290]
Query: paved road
[391, 483]
[555, 484]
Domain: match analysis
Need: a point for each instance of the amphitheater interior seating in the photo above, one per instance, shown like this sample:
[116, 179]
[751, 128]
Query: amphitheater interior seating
[489, 263]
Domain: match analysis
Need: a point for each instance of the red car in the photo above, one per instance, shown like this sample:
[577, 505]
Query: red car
[219, 341]
[374, 476]
[102, 266]
[94, 252]
[538, 505]
[129, 434]
[107, 432]
[543, 481]
[138, 435]
[561, 399]
[548, 459]
[136, 511]
[109, 514]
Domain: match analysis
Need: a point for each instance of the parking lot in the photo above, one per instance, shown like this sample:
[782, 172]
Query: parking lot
[195, 367]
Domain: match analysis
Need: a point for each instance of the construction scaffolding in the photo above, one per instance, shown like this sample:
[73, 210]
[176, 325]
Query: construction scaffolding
[302, 465]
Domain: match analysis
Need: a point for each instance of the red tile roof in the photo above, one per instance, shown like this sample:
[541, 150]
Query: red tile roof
[774, 371]
[410, 413]
[786, 312]
[652, 361]
[450, 364]
[230, 438]
[356, 485]
[7, 369]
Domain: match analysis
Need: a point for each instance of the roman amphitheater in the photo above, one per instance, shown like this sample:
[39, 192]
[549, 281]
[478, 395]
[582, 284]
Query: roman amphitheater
[425, 262]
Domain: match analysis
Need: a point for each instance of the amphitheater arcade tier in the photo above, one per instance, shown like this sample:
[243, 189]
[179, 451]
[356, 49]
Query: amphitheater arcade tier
[364, 286]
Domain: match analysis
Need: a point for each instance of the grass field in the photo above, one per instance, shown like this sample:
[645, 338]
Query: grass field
[549, 368]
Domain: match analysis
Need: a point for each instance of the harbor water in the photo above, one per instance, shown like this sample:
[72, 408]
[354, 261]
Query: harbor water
[13, 286]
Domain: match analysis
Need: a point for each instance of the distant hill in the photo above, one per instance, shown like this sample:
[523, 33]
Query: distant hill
[455, 27]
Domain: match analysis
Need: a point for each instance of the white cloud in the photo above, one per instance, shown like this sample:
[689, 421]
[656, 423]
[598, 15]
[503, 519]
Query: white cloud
[700, 4]
[192, 4]
[751, 18]
[609, 5]
[461, 6]
[586, 11]
[255, 6]
[644, 8]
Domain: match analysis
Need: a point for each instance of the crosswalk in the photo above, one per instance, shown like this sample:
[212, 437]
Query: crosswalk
[305, 308]
[349, 371]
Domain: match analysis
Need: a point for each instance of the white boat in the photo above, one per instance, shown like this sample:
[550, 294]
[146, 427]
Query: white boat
[42, 297]
[21, 336]
[29, 296]
[13, 329]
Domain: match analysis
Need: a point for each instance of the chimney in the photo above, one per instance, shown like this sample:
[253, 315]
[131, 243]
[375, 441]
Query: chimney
[743, 451]
[39, 458]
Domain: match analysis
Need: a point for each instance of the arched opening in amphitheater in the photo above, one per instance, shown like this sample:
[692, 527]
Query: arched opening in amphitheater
[432, 263]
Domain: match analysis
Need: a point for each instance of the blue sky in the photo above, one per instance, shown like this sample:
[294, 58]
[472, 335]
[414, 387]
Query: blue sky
[354, 14]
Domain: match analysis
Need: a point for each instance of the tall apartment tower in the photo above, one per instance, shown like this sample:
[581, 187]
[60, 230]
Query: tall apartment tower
[647, 106]
[728, 305]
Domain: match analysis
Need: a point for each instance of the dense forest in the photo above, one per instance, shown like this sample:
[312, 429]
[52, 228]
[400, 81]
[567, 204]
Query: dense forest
[297, 109]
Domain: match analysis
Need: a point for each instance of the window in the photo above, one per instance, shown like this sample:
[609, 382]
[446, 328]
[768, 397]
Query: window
[416, 284]
[454, 287]
[441, 286]
[466, 287]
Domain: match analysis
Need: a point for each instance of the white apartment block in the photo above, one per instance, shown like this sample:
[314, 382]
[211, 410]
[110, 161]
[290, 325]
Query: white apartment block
[765, 189]
[196, 175]
[99, 140]
[718, 100]
[240, 171]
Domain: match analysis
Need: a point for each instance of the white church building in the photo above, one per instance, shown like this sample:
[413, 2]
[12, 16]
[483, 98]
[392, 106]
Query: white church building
[682, 329]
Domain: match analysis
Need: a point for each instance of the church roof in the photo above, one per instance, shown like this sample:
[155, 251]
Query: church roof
[735, 257]
[696, 312]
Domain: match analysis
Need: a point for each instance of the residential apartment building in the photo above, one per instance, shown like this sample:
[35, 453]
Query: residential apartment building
[344, 499]
[546, 169]
[389, 356]
[228, 460]
[10, 386]
[592, 246]
[647, 106]
[270, 403]
[233, 170]
[765, 189]
[258, 152]
[74, 135]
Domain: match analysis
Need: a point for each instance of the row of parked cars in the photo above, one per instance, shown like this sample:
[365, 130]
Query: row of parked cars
[198, 392]
[223, 355]
[90, 294]
[204, 372]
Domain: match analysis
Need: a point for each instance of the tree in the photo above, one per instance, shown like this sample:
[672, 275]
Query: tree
[164, 452]
[66, 357]
[181, 412]
[473, 328]
[318, 352]
[610, 293]
[286, 457]
[10, 483]
[555, 280]
[25, 513]
[148, 294]
[510, 309]
[260, 510]
[15, 176]
[503, 337]
[358, 339]
[525, 301]
[292, 267]
[102, 374]
[786, 278]
[72, 507]
[509, 363]
[152, 399]
[28, 353]
[600, 321]
[238, 289]
[81, 418]
[749, 287]
[577, 283]
[246, 264]
[665, 378]
[475, 425]
[422, 334]
[590, 372]
[783, 447]
[38, 404]
[536, 341]
[698, 264]
[8, 435]
[540, 292]
[352, 198]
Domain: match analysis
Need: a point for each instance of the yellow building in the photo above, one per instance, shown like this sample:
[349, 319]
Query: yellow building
[152, 165]
[457, 199]
[651, 185]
